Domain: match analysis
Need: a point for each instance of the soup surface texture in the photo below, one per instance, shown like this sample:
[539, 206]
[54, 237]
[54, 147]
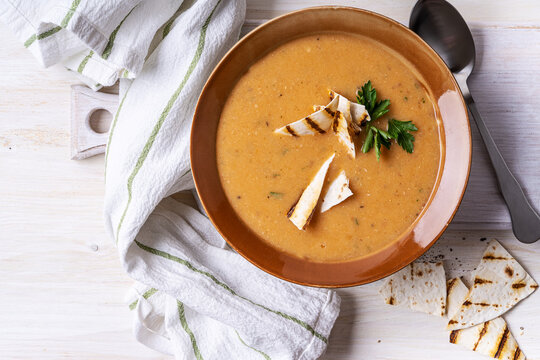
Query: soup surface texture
[264, 174]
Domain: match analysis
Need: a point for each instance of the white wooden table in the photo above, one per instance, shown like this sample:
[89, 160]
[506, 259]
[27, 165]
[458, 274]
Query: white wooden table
[62, 286]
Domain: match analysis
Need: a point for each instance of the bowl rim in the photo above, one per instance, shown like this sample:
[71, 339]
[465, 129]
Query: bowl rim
[451, 76]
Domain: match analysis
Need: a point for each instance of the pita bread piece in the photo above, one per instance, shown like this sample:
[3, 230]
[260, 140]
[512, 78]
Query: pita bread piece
[491, 338]
[301, 212]
[317, 123]
[500, 282]
[456, 292]
[358, 112]
[421, 286]
[337, 192]
[341, 129]
[359, 116]
[342, 121]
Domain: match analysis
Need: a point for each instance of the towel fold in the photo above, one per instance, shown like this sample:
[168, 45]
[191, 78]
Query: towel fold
[100, 41]
[194, 298]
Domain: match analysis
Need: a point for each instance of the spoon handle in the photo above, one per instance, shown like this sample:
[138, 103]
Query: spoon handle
[525, 220]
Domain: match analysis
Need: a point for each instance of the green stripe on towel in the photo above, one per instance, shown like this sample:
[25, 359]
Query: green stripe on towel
[84, 61]
[167, 27]
[110, 43]
[146, 295]
[183, 321]
[168, 24]
[164, 114]
[30, 40]
[54, 30]
[226, 287]
[70, 13]
[48, 33]
[266, 357]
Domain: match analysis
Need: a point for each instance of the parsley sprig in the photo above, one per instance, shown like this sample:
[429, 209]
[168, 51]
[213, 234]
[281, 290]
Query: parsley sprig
[400, 131]
[367, 96]
[397, 130]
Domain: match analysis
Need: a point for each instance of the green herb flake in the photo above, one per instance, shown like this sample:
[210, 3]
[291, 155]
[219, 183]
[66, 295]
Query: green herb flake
[275, 175]
[275, 195]
[356, 221]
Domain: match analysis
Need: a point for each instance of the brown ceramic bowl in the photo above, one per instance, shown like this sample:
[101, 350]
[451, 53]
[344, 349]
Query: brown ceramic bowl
[454, 134]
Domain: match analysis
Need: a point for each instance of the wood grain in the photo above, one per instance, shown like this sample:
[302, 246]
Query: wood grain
[504, 84]
[518, 14]
[62, 285]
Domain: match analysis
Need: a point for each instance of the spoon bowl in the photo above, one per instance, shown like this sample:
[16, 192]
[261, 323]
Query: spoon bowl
[454, 44]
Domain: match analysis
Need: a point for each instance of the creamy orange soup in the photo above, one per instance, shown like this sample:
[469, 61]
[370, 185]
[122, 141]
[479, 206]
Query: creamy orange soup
[263, 173]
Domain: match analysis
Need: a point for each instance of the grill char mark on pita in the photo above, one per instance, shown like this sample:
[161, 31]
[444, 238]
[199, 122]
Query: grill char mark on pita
[479, 281]
[291, 131]
[493, 257]
[482, 333]
[502, 342]
[335, 122]
[330, 112]
[314, 125]
[468, 303]
[450, 285]
[454, 336]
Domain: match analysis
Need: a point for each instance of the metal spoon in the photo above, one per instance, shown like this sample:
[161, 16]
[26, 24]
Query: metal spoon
[443, 28]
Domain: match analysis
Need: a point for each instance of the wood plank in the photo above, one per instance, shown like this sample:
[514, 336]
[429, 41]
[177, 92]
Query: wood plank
[518, 14]
[504, 85]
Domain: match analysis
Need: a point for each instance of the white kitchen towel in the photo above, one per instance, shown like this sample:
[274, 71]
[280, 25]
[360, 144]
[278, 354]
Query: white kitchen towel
[194, 298]
[99, 40]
